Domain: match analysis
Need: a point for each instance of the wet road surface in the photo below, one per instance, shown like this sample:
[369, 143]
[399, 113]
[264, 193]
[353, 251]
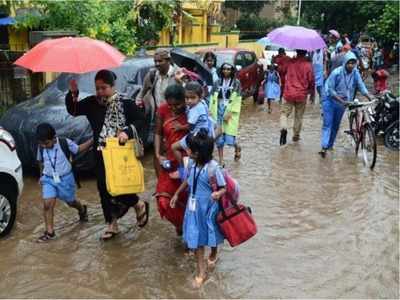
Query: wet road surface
[327, 228]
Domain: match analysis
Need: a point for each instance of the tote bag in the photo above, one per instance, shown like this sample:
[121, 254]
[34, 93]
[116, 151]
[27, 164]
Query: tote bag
[124, 172]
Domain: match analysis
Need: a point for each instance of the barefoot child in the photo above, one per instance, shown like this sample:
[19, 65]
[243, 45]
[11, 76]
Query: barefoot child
[57, 179]
[200, 227]
[225, 106]
[272, 85]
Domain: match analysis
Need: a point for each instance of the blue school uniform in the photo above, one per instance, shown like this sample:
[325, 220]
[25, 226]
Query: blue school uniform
[198, 118]
[200, 226]
[272, 89]
[55, 162]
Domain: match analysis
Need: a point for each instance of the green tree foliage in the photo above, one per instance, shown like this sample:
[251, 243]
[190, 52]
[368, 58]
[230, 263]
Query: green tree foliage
[381, 18]
[125, 24]
[246, 7]
[386, 27]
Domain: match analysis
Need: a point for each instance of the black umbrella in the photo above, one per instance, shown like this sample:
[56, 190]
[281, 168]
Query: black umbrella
[191, 62]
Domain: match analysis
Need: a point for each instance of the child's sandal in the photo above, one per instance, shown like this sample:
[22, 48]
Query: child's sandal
[238, 153]
[46, 237]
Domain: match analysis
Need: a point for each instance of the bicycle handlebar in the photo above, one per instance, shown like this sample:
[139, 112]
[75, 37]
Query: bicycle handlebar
[354, 104]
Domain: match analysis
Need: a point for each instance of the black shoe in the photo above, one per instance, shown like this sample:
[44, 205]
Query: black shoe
[322, 153]
[83, 216]
[283, 137]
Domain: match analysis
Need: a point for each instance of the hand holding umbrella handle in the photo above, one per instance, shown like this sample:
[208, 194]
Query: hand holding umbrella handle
[73, 87]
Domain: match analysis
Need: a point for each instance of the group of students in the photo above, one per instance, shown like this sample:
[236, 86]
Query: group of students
[188, 125]
[335, 77]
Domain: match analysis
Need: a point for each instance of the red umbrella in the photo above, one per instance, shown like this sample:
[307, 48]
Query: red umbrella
[71, 55]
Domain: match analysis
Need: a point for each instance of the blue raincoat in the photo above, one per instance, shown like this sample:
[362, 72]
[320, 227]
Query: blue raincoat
[343, 84]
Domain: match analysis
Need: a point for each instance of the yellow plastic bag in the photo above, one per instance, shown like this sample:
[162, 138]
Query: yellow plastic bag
[124, 172]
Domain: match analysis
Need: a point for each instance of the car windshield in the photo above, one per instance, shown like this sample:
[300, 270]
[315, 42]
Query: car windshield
[224, 58]
[276, 48]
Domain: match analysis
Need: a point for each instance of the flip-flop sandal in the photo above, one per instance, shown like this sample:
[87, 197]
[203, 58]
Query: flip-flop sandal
[112, 235]
[46, 237]
[238, 153]
[144, 215]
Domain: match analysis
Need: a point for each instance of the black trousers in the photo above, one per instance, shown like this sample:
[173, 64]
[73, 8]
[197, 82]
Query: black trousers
[113, 207]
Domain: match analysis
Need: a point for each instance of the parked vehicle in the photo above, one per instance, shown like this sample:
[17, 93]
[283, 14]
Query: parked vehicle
[49, 106]
[245, 61]
[386, 120]
[11, 182]
[272, 51]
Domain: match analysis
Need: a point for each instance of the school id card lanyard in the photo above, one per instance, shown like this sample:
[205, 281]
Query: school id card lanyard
[56, 176]
[192, 199]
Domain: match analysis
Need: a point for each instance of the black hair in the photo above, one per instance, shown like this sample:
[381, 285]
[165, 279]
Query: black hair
[194, 86]
[281, 50]
[176, 92]
[106, 76]
[301, 52]
[45, 132]
[232, 72]
[202, 145]
[211, 55]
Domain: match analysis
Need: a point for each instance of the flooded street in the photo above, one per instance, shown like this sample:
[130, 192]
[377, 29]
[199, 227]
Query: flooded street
[327, 228]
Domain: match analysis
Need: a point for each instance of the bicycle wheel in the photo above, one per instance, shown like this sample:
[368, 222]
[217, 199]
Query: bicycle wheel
[392, 137]
[368, 146]
[355, 137]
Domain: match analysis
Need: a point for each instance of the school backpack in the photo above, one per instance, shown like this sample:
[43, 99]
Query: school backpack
[65, 149]
[231, 195]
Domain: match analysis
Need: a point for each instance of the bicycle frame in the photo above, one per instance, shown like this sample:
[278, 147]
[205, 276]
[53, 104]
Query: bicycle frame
[361, 114]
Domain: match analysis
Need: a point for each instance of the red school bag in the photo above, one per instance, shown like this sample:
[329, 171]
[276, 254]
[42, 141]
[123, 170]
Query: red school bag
[235, 220]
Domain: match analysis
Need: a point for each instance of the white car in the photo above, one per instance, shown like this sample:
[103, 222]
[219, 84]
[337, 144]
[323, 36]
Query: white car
[11, 181]
[272, 51]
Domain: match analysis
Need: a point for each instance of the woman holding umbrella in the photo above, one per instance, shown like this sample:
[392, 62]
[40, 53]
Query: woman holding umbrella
[110, 115]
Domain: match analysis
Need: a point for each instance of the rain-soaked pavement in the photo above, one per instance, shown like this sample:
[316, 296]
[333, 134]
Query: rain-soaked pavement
[327, 228]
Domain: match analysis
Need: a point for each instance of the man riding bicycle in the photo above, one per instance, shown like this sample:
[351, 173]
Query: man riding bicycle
[339, 90]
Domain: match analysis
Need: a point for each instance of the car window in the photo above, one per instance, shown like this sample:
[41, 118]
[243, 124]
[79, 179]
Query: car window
[249, 58]
[224, 58]
[240, 60]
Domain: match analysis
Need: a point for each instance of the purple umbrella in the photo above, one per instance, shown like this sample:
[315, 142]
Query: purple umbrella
[297, 37]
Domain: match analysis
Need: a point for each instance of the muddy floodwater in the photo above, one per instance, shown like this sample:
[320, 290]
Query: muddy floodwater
[327, 228]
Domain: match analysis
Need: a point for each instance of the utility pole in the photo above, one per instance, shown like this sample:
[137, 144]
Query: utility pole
[299, 13]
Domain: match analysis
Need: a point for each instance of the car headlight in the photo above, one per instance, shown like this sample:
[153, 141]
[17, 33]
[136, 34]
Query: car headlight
[7, 139]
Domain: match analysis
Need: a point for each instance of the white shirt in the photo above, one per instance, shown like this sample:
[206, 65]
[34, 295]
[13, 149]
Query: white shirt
[161, 84]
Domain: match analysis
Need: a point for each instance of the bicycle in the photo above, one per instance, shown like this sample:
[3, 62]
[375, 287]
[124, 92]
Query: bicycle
[361, 130]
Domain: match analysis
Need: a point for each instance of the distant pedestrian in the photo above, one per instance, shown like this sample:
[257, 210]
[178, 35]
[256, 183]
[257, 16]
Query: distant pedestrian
[380, 77]
[318, 61]
[282, 61]
[210, 61]
[272, 85]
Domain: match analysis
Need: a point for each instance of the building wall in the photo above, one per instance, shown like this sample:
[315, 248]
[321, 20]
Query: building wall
[271, 11]
[18, 39]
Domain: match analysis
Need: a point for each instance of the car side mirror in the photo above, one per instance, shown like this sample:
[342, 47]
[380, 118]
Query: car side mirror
[238, 67]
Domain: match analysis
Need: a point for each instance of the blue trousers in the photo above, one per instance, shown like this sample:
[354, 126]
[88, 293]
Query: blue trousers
[332, 116]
